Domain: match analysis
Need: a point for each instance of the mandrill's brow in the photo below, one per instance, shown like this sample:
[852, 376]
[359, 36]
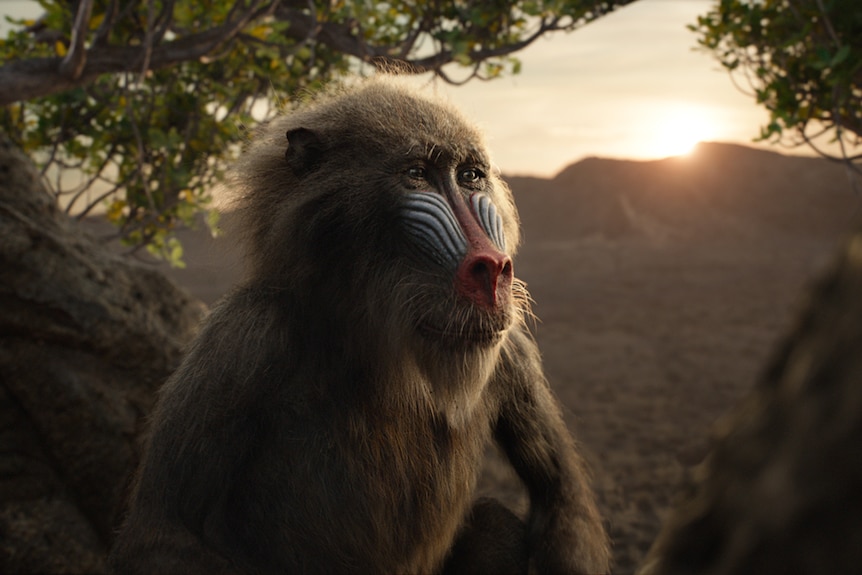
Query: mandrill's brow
[478, 162]
[442, 159]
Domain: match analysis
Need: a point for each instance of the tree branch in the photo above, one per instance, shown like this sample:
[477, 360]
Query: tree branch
[340, 37]
[73, 64]
[36, 77]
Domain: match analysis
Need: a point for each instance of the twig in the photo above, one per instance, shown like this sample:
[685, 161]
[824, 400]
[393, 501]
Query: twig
[73, 64]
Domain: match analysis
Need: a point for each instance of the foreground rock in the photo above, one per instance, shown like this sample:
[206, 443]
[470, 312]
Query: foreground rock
[85, 340]
[781, 492]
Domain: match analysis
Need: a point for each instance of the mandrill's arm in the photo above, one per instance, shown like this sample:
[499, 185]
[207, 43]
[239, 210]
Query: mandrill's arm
[565, 532]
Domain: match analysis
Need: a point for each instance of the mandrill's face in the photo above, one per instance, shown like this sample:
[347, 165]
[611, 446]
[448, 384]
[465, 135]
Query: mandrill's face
[403, 211]
[451, 222]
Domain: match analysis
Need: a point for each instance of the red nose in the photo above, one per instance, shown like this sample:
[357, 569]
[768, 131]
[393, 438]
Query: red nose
[485, 277]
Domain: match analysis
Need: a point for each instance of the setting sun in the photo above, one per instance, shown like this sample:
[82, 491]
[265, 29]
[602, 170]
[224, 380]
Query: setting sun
[679, 129]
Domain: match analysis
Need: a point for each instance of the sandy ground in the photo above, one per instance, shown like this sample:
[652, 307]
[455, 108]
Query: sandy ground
[657, 310]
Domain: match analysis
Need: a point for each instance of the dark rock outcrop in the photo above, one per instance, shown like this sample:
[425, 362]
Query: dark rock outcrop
[85, 340]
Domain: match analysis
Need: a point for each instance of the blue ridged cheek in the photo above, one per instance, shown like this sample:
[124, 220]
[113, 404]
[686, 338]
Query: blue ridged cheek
[429, 221]
[489, 219]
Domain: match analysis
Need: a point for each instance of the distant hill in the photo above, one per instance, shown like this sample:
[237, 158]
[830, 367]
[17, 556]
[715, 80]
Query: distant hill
[717, 189]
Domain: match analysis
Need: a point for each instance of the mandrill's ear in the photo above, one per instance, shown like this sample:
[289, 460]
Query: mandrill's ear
[304, 151]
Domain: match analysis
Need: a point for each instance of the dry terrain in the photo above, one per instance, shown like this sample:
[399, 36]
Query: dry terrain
[661, 288]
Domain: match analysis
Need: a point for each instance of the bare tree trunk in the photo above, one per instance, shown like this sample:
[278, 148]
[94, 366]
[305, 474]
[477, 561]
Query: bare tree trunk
[85, 340]
[781, 493]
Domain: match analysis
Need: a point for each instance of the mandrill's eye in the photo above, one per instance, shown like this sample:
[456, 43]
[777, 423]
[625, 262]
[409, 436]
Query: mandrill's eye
[470, 175]
[417, 173]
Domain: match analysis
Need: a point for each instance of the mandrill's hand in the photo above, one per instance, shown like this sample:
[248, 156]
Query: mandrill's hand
[573, 542]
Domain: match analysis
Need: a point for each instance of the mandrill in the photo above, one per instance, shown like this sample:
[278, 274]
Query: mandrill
[333, 414]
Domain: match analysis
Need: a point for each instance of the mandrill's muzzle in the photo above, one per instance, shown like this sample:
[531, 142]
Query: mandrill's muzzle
[470, 240]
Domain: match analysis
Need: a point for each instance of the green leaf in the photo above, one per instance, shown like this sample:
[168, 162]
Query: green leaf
[840, 56]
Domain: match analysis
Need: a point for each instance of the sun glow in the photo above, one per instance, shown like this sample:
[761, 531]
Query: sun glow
[679, 129]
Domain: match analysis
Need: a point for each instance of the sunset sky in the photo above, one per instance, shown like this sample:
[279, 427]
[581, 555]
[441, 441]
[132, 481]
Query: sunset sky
[627, 86]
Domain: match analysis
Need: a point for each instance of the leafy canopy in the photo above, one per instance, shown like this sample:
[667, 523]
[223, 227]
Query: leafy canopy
[149, 99]
[803, 61]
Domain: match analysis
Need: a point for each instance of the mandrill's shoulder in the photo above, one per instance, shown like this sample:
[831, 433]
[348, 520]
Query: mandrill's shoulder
[246, 318]
[244, 337]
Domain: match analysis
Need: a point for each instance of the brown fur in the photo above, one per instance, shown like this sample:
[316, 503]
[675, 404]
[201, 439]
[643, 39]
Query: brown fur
[314, 427]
